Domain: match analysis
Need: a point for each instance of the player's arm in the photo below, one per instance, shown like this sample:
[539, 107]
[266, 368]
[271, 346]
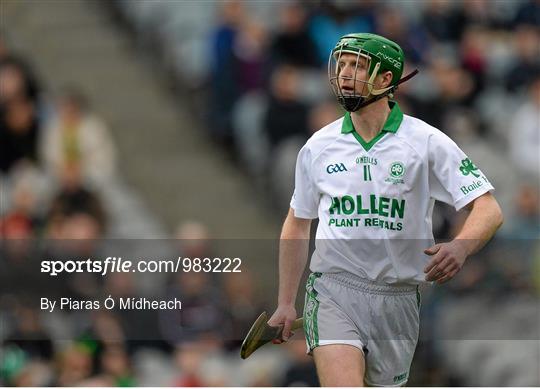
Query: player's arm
[293, 252]
[485, 217]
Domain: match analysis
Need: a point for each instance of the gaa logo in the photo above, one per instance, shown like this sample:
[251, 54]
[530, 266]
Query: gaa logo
[397, 169]
[336, 168]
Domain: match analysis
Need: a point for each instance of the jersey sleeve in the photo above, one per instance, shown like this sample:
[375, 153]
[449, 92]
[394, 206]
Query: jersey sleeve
[453, 177]
[305, 199]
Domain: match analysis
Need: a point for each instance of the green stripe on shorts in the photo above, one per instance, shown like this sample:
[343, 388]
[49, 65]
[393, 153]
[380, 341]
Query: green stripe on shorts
[311, 309]
[307, 323]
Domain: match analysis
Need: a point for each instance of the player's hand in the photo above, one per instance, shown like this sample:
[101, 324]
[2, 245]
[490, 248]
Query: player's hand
[284, 315]
[447, 260]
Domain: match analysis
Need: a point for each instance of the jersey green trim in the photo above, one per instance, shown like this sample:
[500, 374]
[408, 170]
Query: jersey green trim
[368, 145]
[391, 125]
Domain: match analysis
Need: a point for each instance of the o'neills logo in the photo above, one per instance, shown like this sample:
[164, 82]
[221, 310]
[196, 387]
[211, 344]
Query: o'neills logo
[393, 61]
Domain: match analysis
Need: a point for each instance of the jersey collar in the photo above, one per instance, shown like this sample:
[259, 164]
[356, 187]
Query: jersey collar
[391, 125]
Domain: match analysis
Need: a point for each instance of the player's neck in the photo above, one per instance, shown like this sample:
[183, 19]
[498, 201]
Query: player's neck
[369, 121]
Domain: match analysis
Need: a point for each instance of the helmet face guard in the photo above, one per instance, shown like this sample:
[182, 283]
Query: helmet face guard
[380, 54]
[362, 88]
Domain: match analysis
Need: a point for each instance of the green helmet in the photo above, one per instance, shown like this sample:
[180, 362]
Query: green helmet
[382, 55]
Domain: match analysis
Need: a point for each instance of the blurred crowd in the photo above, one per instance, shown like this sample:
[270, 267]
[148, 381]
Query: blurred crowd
[56, 160]
[255, 73]
[56, 157]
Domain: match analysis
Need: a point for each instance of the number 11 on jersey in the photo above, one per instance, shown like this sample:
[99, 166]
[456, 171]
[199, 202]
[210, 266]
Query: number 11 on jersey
[367, 172]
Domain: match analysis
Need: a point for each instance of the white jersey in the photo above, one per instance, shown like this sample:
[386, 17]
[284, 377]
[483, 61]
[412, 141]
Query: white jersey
[374, 200]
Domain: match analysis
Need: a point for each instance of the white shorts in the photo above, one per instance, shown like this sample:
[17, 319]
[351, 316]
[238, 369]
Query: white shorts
[381, 320]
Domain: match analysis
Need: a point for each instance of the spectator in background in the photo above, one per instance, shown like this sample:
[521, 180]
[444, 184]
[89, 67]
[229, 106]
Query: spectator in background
[524, 136]
[77, 139]
[188, 358]
[116, 367]
[473, 53]
[20, 111]
[203, 315]
[20, 225]
[520, 242]
[238, 50]
[284, 156]
[250, 50]
[74, 204]
[525, 223]
[199, 363]
[293, 44]
[141, 327]
[194, 239]
[74, 365]
[479, 13]
[443, 21]
[286, 115]
[334, 19]
[389, 21]
[103, 345]
[322, 114]
[224, 89]
[16, 78]
[22, 218]
[33, 373]
[29, 334]
[17, 369]
[526, 42]
[529, 13]
[74, 225]
[243, 305]
[453, 88]
[19, 131]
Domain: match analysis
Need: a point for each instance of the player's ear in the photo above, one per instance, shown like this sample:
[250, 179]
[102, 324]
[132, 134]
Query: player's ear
[386, 79]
